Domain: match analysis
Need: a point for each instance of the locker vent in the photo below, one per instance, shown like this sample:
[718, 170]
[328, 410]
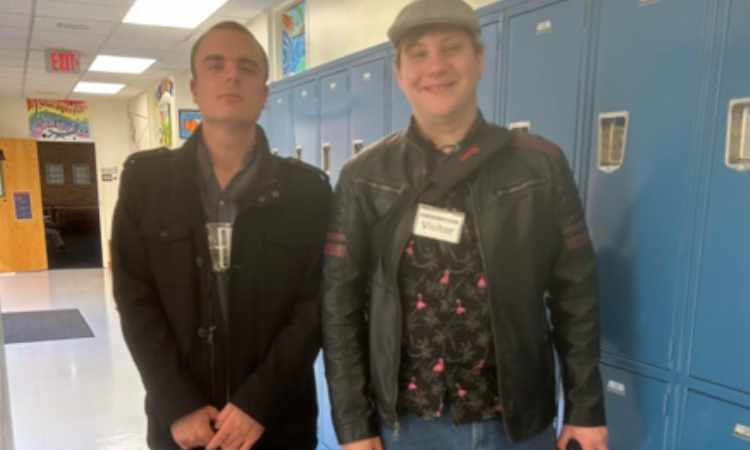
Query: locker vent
[613, 135]
[326, 158]
[738, 135]
[520, 126]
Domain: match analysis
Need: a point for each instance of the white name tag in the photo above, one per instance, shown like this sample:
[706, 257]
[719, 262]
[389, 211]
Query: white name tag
[439, 224]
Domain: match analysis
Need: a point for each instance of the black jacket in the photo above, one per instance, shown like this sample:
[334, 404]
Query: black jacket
[536, 250]
[164, 290]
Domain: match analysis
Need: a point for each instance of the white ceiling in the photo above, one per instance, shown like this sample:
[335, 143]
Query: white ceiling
[92, 27]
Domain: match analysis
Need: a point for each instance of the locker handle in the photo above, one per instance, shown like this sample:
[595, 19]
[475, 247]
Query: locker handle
[742, 431]
[298, 152]
[613, 139]
[357, 146]
[326, 157]
[738, 135]
[524, 126]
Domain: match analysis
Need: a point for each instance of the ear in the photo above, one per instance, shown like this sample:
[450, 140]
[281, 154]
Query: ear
[482, 63]
[193, 88]
[264, 94]
[397, 75]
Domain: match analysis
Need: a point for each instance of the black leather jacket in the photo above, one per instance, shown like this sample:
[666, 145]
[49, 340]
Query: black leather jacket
[536, 251]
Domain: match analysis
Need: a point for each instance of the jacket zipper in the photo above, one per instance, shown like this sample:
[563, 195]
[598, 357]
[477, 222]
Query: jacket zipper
[477, 229]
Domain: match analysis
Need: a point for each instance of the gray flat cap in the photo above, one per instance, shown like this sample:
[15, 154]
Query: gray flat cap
[433, 12]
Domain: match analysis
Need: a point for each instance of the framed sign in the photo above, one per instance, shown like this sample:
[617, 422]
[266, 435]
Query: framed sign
[189, 120]
[22, 204]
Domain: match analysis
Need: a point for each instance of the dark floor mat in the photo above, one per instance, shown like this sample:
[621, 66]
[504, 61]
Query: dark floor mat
[35, 326]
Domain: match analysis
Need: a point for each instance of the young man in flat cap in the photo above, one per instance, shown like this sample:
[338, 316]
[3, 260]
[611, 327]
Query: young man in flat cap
[224, 340]
[448, 243]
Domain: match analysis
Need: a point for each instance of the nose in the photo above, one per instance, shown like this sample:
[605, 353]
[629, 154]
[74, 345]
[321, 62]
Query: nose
[232, 72]
[437, 63]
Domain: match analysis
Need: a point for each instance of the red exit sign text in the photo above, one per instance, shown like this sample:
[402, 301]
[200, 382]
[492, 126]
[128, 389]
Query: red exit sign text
[63, 61]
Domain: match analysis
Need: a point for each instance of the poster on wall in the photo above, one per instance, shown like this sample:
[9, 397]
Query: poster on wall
[189, 120]
[22, 203]
[164, 96]
[58, 120]
[294, 52]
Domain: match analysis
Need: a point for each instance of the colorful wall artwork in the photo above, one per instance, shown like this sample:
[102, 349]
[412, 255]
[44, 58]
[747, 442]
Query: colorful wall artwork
[294, 52]
[189, 120]
[58, 120]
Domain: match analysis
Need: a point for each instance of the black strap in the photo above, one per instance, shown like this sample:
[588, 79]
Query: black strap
[458, 167]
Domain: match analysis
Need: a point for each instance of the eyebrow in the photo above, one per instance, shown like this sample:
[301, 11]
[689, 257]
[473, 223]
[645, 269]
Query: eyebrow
[216, 57]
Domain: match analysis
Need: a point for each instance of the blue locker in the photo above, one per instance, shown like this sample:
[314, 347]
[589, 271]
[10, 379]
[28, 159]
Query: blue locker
[637, 410]
[334, 126]
[544, 61]
[487, 92]
[265, 120]
[326, 434]
[367, 104]
[282, 134]
[713, 424]
[646, 105]
[306, 105]
[723, 309]
[400, 109]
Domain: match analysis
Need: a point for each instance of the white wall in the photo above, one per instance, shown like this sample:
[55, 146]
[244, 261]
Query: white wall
[111, 132]
[338, 28]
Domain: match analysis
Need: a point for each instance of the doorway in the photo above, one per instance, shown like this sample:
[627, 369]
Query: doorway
[70, 202]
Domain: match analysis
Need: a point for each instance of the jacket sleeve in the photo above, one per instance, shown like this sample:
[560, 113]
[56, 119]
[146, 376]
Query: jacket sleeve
[170, 389]
[345, 344]
[296, 346]
[574, 305]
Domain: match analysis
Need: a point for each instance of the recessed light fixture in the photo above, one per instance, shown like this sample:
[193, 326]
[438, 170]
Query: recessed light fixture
[172, 13]
[87, 87]
[120, 64]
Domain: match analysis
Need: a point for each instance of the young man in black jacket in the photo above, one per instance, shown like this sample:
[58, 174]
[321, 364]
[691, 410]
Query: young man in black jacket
[224, 342]
[448, 241]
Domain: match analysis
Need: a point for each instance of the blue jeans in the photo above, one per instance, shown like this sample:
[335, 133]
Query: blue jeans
[442, 434]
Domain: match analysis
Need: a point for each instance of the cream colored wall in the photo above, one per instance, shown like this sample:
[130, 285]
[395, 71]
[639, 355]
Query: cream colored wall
[338, 28]
[111, 132]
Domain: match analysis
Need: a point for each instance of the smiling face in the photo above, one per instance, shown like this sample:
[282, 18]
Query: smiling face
[229, 82]
[438, 72]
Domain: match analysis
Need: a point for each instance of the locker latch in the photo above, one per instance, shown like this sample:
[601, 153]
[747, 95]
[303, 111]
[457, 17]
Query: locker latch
[613, 137]
[738, 135]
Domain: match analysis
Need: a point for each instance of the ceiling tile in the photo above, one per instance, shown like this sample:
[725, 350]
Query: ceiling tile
[81, 41]
[14, 21]
[16, 7]
[56, 24]
[95, 11]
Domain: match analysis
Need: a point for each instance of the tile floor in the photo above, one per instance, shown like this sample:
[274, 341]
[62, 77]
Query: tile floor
[81, 394]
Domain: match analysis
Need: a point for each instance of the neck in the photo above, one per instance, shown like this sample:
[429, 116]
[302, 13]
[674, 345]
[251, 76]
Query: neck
[228, 145]
[446, 132]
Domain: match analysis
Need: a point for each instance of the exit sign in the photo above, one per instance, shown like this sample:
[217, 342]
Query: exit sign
[63, 61]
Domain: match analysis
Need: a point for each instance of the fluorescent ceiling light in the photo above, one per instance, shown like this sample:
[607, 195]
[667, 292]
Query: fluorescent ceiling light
[85, 87]
[120, 64]
[172, 13]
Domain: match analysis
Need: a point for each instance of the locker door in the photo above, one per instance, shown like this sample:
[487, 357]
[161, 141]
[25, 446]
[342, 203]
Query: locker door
[326, 433]
[306, 104]
[721, 319]
[282, 132]
[400, 109]
[545, 55]
[637, 410]
[335, 144]
[265, 121]
[646, 102]
[711, 423]
[487, 92]
[367, 105]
